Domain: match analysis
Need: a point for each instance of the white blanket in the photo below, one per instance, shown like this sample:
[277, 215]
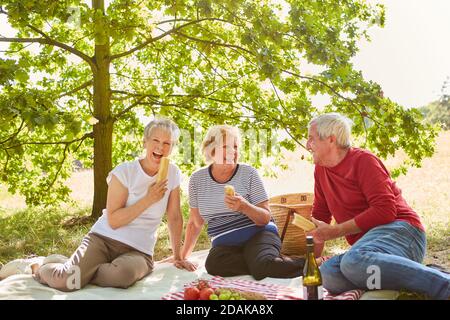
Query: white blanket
[164, 279]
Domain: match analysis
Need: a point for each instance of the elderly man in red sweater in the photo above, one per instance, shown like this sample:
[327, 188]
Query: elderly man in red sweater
[387, 239]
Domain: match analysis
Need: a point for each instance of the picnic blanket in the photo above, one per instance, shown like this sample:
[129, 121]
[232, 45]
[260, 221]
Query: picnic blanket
[271, 291]
[165, 282]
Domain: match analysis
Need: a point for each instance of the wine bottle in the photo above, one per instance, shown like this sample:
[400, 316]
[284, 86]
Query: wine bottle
[312, 279]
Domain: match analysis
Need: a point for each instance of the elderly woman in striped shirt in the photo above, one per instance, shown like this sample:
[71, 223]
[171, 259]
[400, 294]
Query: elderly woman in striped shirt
[244, 238]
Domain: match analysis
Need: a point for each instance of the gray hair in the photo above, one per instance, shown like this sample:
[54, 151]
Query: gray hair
[164, 124]
[334, 124]
[215, 135]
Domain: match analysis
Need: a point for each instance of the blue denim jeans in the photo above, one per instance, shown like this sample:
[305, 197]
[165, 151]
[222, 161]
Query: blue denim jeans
[396, 250]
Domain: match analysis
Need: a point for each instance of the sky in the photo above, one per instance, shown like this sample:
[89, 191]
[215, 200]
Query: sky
[409, 57]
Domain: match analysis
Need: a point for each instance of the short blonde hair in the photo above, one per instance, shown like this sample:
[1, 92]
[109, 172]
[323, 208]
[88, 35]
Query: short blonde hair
[334, 124]
[215, 135]
[164, 124]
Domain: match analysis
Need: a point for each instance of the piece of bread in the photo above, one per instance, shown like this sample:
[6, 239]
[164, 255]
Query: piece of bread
[303, 223]
[163, 169]
[246, 295]
[229, 190]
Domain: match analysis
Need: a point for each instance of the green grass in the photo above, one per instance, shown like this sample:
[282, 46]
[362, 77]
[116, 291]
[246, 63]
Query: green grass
[39, 232]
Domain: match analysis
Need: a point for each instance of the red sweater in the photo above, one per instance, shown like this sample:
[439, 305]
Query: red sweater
[359, 187]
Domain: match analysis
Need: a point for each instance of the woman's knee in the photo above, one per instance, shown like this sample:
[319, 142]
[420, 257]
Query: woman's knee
[213, 266]
[125, 275]
[260, 268]
[259, 274]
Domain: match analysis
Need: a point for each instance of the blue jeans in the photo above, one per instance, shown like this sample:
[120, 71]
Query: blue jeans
[396, 250]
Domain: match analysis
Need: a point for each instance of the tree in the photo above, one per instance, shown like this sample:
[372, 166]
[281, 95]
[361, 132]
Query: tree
[438, 112]
[75, 76]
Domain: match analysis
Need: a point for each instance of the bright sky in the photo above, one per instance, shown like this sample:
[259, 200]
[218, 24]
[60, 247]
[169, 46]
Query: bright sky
[409, 57]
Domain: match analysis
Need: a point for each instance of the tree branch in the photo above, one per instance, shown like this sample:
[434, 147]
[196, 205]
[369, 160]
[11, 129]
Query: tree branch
[55, 43]
[133, 94]
[150, 40]
[87, 135]
[14, 134]
[80, 87]
[49, 41]
[5, 167]
[214, 43]
[61, 163]
[142, 96]
[363, 113]
[15, 51]
[59, 169]
[134, 104]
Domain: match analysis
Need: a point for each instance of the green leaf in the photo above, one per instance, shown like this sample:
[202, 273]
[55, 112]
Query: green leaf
[21, 76]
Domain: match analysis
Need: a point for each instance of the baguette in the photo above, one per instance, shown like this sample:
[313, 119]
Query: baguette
[303, 223]
[163, 169]
[229, 190]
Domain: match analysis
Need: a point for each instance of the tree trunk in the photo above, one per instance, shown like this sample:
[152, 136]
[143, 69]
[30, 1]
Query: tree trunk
[103, 129]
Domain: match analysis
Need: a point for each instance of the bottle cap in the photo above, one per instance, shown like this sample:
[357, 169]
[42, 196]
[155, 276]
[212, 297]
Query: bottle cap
[309, 240]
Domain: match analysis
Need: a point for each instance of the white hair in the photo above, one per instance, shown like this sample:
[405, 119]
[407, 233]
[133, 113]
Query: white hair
[164, 124]
[334, 124]
[218, 134]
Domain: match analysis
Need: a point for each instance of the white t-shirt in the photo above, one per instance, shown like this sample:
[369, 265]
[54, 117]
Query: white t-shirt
[141, 233]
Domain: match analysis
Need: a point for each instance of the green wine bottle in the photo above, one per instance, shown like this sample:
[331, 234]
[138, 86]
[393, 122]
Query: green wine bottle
[312, 279]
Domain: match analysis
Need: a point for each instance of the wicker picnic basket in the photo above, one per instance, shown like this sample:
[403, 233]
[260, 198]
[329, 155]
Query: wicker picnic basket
[283, 208]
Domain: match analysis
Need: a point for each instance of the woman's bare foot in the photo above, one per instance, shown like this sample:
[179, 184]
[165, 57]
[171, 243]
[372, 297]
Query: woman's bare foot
[35, 273]
[34, 268]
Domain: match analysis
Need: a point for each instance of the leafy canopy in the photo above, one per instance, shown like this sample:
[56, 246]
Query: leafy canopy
[254, 64]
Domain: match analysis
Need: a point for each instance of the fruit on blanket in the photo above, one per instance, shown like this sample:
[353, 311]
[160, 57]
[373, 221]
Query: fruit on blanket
[191, 293]
[163, 169]
[225, 295]
[235, 294]
[303, 223]
[202, 284]
[205, 293]
[229, 190]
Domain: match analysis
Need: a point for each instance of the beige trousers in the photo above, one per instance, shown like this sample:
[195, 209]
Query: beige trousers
[98, 260]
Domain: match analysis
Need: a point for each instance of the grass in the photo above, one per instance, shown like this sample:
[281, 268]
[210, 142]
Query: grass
[40, 232]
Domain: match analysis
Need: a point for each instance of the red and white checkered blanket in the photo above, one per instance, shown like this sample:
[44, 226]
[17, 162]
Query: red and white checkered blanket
[270, 291]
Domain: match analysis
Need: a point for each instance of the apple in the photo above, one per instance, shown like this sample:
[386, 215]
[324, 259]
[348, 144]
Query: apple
[213, 297]
[191, 293]
[202, 284]
[205, 293]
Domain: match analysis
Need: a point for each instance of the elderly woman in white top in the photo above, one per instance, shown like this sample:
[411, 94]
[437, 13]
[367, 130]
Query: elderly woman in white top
[118, 250]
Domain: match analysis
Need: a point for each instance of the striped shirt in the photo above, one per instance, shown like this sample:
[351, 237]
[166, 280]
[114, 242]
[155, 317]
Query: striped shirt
[208, 196]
